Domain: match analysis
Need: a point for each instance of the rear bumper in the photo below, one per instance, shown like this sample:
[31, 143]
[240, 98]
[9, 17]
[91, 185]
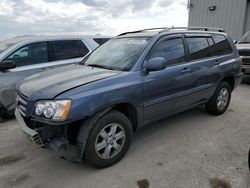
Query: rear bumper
[32, 135]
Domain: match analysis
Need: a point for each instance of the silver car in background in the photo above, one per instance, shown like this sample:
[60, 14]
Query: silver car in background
[23, 56]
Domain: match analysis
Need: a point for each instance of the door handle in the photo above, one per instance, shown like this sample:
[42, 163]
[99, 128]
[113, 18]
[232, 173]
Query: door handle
[217, 62]
[185, 70]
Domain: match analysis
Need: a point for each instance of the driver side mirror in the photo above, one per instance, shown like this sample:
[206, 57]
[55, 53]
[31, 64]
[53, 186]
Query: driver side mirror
[7, 64]
[155, 64]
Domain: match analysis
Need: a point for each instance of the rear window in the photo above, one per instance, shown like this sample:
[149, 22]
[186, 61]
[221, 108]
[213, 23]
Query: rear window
[101, 41]
[222, 45]
[68, 49]
[212, 46]
[198, 47]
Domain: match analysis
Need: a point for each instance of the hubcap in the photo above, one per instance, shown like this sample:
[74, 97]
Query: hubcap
[223, 99]
[110, 140]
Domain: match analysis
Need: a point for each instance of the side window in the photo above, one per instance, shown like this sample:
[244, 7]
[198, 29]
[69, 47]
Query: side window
[222, 45]
[198, 47]
[101, 41]
[30, 54]
[171, 50]
[212, 46]
[68, 49]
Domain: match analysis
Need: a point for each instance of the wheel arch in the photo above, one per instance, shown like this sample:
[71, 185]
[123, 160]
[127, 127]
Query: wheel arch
[231, 80]
[128, 109]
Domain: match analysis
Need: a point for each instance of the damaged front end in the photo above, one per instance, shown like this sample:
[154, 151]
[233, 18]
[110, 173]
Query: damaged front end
[50, 136]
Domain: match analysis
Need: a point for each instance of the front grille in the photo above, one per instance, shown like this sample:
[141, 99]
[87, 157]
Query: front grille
[21, 103]
[246, 60]
[244, 53]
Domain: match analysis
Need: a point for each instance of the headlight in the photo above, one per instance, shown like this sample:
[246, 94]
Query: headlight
[55, 110]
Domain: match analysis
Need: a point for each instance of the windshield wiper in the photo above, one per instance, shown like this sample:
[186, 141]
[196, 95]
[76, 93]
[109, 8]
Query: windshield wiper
[97, 66]
[101, 66]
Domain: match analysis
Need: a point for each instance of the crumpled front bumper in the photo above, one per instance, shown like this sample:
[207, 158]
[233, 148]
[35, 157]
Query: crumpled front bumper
[72, 153]
[32, 135]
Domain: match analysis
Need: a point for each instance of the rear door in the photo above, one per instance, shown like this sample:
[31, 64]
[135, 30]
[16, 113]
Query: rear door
[64, 52]
[203, 59]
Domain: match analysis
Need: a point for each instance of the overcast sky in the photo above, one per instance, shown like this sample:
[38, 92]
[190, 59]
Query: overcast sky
[107, 17]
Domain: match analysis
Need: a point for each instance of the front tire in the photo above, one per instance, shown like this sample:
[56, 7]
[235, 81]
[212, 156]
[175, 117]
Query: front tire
[220, 101]
[108, 140]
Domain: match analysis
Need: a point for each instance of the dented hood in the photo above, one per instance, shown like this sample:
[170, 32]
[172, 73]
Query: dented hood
[49, 84]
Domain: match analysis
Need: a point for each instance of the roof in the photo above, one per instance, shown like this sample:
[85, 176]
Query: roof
[50, 37]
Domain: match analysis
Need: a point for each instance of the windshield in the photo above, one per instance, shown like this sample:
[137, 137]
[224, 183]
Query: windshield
[5, 45]
[245, 38]
[117, 54]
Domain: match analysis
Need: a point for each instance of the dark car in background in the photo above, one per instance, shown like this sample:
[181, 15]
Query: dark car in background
[130, 81]
[243, 47]
[23, 56]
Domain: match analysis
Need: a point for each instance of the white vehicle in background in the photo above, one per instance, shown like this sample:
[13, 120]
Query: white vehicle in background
[23, 56]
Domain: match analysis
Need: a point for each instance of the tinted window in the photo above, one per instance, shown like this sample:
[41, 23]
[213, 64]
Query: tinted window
[101, 41]
[171, 50]
[68, 49]
[30, 54]
[212, 46]
[198, 48]
[222, 45]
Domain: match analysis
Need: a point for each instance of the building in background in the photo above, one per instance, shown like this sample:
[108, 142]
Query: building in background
[231, 15]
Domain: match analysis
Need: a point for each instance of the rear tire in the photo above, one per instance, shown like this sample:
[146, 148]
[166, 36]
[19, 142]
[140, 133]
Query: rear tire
[108, 140]
[220, 101]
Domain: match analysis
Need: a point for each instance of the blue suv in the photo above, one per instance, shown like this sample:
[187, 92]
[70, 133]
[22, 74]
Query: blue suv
[132, 80]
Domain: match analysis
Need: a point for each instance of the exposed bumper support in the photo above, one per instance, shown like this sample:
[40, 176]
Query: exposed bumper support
[32, 135]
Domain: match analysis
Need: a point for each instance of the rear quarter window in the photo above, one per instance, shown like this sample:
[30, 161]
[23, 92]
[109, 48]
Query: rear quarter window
[222, 45]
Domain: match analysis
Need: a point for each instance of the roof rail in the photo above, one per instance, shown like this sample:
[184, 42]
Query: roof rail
[164, 29]
[194, 28]
[139, 31]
